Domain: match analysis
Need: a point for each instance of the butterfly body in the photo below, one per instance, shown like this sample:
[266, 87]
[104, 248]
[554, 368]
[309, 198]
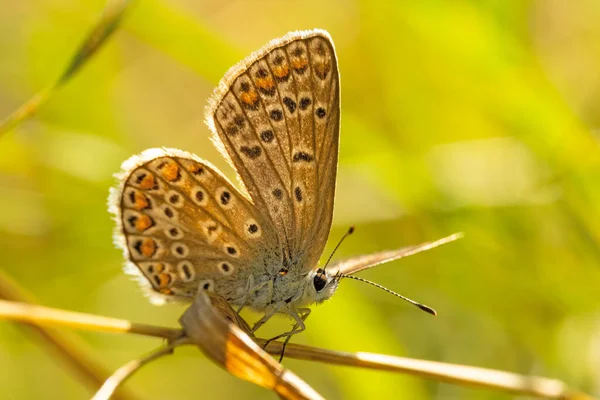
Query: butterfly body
[291, 289]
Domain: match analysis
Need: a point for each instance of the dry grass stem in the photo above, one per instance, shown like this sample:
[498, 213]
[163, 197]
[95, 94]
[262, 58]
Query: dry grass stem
[67, 347]
[118, 378]
[445, 372]
[45, 316]
[222, 336]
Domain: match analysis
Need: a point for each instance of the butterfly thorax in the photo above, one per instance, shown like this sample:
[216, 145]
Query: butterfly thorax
[287, 289]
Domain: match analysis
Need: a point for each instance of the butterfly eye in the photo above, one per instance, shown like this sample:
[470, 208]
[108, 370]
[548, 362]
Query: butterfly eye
[320, 280]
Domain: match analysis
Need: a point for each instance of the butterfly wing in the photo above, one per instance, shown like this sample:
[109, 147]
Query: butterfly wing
[276, 117]
[182, 225]
[355, 264]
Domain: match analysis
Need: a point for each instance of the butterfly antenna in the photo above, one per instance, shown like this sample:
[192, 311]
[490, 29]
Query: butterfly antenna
[350, 232]
[414, 303]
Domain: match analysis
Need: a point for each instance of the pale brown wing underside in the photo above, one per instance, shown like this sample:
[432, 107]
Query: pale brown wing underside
[182, 225]
[276, 117]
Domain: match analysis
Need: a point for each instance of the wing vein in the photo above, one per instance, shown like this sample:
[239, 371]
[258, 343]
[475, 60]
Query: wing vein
[314, 140]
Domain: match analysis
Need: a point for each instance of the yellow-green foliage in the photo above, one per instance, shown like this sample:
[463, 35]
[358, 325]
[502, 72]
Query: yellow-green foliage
[473, 116]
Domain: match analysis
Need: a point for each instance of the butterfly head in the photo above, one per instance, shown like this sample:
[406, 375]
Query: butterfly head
[321, 285]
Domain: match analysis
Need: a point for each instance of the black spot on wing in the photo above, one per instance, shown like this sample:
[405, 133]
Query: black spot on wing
[304, 103]
[298, 194]
[267, 136]
[302, 156]
[276, 115]
[225, 198]
[278, 194]
[290, 104]
[239, 120]
[251, 152]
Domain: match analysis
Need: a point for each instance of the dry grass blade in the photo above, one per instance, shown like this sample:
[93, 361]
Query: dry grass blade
[118, 378]
[45, 316]
[452, 373]
[112, 15]
[215, 329]
[109, 21]
[222, 336]
[84, 367]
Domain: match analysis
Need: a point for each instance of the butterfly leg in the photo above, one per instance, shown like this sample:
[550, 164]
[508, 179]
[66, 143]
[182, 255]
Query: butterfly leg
[267, 316]
[248, 288]
[271, 284]
[300, 316]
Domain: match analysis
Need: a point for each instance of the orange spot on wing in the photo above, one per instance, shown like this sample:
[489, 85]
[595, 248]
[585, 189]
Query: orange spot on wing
[164, 280]
[148, 247]
[148, 182]
[166, 291]
[194, 168]
[298, 63]
[170, 171]
[140, 201]
[281, 71]
[265, 83]
[143, 222]
[249, 97]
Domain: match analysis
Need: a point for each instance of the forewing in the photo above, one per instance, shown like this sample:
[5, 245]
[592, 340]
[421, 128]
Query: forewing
[183, 226]
[355, 264]
[276, 115]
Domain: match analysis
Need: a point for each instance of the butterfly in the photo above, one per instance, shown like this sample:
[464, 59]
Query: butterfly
[184, 227]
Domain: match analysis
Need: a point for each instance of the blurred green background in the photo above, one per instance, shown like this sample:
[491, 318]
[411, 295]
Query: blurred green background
[473, 116]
